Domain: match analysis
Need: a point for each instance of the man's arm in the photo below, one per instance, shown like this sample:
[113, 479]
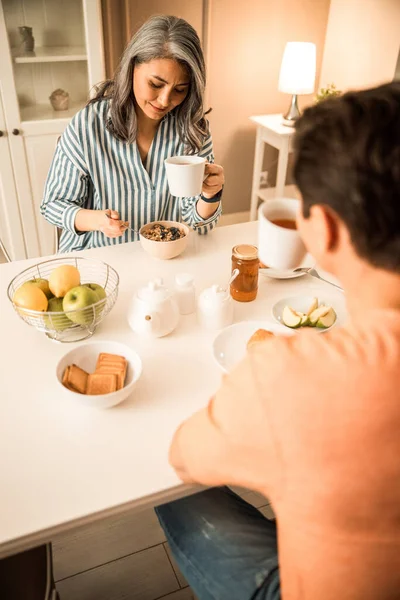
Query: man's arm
[226, 442]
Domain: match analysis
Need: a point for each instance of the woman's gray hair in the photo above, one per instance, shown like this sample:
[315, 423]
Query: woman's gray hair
[160, 37]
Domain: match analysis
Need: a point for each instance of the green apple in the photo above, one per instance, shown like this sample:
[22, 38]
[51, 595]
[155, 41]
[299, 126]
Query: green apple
[100, 291]
[290, 318]
[101, 295]
[57, 322]
[327, 320]
[319, 312]
[304, 321]
[77, 298]
[314, 306]
[43, 284]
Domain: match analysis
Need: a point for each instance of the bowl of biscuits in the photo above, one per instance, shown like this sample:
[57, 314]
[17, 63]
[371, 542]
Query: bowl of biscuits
[99, 374]
[66, 298]
[164, 239]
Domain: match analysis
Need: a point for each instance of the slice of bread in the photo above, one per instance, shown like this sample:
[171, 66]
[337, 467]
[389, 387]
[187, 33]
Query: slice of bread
[259, 336]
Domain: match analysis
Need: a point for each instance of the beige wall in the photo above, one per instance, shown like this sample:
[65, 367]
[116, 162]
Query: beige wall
[362, 43]
[247, 39]
[138, 11]
[121, 18]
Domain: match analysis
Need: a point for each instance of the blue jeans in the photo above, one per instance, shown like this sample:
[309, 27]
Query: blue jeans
[225, 548]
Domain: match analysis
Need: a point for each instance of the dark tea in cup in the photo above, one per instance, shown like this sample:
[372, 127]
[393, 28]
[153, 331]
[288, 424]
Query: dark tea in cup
[285, 223]
[279, 243]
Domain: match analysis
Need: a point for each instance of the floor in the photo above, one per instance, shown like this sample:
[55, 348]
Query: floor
[124, 558]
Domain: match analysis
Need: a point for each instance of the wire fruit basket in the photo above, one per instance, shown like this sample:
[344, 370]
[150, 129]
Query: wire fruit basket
[71, 325]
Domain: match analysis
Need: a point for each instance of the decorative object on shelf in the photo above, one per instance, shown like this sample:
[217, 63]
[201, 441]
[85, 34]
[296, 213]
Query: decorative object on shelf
[297, 75]
[59, 99]
[329, 92]
[28, 41]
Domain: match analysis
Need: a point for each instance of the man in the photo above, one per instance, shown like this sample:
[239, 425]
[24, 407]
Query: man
[312, 421]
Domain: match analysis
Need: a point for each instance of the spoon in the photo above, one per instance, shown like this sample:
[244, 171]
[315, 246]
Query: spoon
[127, 226]
[298, 270]
[312, 272]
[235, 273]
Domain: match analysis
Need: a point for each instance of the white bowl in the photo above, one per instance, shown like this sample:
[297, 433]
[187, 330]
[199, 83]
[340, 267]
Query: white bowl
[85, 356]
[229, 346]
[302, 304]
[164, 250]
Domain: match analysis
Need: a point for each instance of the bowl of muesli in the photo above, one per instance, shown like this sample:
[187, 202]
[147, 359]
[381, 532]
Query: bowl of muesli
[164, 239]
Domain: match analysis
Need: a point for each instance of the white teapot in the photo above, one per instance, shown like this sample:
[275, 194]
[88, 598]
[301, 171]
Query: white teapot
[153, 311]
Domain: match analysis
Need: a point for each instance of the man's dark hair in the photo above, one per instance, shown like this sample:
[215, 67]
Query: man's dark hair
[347, 157]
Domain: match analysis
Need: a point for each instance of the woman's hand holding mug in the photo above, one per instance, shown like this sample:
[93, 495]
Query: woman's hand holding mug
[214, 180]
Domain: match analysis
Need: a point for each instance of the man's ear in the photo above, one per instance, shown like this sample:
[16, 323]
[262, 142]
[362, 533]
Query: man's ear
[324, 223]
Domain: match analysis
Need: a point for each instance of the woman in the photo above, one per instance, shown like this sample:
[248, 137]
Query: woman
[108, 170]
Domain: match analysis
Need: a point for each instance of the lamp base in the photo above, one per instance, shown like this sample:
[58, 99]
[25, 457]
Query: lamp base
[292, 114]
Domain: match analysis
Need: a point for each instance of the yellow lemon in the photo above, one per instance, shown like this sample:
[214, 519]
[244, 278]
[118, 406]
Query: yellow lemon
[62, 279]
[31, 297]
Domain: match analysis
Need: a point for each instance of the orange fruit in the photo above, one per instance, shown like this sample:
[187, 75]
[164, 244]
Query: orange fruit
[31, 297]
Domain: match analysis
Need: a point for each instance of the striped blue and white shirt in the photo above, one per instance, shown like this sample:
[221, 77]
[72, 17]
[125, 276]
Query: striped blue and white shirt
[92, 169]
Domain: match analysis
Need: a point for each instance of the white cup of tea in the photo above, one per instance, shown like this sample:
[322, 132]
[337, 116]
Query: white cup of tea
[185, 175]
[279, 243]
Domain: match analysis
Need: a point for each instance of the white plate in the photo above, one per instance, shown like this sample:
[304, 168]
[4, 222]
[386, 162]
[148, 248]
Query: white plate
[307, 263]
[229, 346]
[303, 303]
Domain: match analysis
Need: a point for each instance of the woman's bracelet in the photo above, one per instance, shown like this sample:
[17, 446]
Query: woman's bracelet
[214, 199]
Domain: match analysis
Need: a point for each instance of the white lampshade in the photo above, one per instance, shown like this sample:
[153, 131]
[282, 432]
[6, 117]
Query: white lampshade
[298, 67]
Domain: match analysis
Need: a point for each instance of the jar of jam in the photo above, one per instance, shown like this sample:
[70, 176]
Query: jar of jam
[245, 258]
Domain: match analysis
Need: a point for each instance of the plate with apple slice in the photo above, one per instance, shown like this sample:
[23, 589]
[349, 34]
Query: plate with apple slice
[318, 313]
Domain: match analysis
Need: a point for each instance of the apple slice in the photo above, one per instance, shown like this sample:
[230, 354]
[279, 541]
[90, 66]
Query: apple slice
[319, 312]
[290, 318]
[313, 306]
[327, 320]
[304, 321]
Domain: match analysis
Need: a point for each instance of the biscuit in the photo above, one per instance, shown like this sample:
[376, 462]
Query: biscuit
[113, 363]
[115, 370]
[75, 379]
[259, 336]
[110, 357]
[101, 383]
[108, 377]
[65, 377]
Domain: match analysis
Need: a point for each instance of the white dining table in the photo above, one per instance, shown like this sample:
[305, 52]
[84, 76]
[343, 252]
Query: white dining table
[63, 464]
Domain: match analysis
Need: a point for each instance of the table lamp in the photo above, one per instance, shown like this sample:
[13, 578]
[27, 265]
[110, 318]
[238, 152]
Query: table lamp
[297, 75]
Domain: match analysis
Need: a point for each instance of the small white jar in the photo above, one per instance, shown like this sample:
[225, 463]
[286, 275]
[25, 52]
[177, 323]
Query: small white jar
[215, 308]
[185, 293]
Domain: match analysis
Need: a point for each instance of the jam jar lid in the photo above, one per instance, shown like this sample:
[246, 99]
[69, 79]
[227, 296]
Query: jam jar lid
[245, 252]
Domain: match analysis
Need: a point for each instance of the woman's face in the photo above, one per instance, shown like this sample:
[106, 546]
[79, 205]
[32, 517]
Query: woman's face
[159, 86]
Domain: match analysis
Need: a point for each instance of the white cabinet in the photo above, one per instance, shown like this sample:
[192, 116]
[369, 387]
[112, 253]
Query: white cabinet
[67, 54]
[10, 220]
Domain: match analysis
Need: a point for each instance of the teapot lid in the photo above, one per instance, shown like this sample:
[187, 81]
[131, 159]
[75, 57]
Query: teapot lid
[214, 296]
[154, 291]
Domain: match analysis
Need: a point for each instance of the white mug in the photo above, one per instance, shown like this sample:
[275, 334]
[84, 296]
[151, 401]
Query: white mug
[185, 175]
[279, 247]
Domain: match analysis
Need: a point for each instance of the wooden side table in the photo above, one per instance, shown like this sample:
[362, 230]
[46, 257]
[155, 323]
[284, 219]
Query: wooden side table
[270, 131]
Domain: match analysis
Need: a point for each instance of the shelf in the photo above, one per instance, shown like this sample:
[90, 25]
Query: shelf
[51, 54]
[44, 112]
